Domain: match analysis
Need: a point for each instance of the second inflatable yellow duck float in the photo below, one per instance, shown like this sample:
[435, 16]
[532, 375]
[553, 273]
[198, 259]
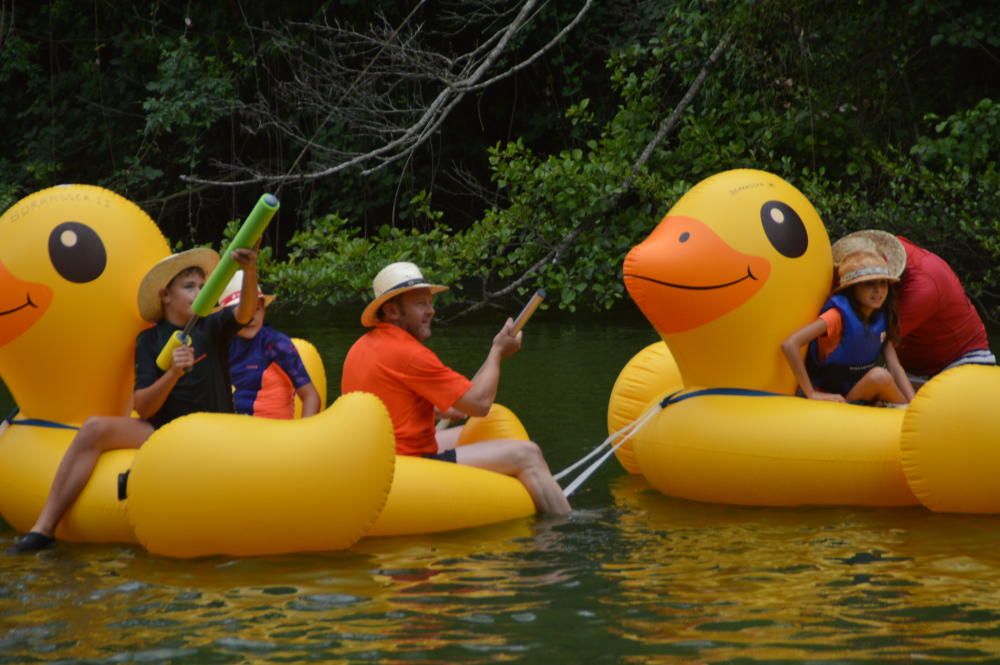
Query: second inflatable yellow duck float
[71, 259]
[738, 263]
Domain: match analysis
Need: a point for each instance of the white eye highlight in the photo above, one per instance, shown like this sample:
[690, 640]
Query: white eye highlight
[777, 216]
[68, 238]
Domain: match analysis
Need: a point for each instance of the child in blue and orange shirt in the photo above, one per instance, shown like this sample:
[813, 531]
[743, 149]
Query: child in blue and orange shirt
[856, 328]
[266, 369]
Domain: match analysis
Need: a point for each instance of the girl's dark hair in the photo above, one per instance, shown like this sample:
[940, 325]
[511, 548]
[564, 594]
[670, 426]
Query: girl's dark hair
[888, 308]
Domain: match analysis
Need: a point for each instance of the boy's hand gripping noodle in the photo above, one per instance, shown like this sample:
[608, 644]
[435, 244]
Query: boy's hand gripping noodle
[246, 237]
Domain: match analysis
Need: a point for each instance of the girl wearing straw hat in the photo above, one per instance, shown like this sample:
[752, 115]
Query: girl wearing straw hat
[856, 327]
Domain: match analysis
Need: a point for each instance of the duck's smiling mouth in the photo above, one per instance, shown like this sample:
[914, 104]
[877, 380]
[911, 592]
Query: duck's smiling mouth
[685, 275]
[691, 287]
[17, 315]
[27, 303]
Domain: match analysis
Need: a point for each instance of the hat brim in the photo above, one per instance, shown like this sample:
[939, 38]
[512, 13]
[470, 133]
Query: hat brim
[268, 299]
[369, 317]
[866, 278]
[882, 242]
[150, 305]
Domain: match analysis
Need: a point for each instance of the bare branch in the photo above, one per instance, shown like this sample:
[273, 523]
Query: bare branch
[400, 99]
[666, 127]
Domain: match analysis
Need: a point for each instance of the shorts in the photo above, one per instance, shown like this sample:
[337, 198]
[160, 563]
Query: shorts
[977, 357]
[446, 456]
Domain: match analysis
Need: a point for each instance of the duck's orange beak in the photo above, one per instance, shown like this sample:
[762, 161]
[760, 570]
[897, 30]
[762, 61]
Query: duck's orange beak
[21, 304]
[684, 275]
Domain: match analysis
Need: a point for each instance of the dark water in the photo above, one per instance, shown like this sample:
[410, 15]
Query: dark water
[631, 576]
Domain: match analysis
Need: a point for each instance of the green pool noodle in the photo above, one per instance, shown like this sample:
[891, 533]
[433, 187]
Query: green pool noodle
[248, 235]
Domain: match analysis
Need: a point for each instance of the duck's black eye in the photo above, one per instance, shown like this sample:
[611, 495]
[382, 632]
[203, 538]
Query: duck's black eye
[784, 228]
[77, 252]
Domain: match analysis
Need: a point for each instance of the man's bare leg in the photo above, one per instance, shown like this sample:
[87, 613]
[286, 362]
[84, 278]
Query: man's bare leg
[524, 461]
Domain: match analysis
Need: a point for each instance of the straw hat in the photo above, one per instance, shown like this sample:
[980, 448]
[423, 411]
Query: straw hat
[881, 242]
[231, 294]
[862, 266]
[391, 281]
[164, 270]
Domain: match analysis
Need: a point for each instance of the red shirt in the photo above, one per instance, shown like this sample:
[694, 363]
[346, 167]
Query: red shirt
[937, 322]
[409, 378]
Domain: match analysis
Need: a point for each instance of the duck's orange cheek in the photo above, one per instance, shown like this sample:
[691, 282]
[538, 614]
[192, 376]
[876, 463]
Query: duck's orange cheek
[684, 275]
[22, 304]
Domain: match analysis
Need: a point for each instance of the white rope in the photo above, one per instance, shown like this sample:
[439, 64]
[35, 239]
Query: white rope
[626, 433]
[611, 437]
[589, 471]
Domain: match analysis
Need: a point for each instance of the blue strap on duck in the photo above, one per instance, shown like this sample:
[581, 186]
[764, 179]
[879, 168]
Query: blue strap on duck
[12, 419]
[248, 235]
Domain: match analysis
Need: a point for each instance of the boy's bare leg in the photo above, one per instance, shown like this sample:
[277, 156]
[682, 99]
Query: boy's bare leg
[97, 435]
[524, 461]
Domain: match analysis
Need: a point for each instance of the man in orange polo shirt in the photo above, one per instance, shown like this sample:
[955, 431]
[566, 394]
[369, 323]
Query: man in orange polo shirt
[392, 362]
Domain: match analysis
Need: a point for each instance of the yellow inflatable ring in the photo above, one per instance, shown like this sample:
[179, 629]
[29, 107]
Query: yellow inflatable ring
[430, 496]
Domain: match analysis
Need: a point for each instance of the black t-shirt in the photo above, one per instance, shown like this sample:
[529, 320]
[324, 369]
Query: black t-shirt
[207, 387]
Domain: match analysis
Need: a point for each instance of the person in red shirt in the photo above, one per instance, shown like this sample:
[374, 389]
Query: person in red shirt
[392, 362]
[939, 327]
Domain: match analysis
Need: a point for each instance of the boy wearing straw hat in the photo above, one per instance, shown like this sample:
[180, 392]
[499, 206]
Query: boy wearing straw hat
[265, 366]
[197, 379]
[938, 325]
[392, 362]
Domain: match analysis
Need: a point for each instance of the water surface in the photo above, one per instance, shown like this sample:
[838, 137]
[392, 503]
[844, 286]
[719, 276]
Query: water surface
[632, 576]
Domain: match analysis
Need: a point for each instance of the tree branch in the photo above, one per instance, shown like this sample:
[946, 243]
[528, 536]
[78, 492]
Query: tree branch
[666, 127]
[374, 112]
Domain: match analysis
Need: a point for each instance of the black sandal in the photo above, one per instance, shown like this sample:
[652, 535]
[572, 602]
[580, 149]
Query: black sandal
[31, 542]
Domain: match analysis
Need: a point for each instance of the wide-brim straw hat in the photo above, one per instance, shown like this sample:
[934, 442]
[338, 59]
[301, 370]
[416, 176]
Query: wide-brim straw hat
[882, 243]
[164, 270]
[391, 281]
[862, 266]
[233, 293]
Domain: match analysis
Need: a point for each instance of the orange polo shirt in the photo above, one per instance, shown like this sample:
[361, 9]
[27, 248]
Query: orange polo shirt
[409, 378]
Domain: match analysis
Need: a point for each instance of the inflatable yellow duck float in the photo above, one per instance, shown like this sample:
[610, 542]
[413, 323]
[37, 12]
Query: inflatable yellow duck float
[71, 259]
[737, 264]
[740, 262]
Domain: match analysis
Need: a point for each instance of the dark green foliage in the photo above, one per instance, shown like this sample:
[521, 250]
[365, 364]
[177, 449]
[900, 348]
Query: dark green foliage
[883, 114]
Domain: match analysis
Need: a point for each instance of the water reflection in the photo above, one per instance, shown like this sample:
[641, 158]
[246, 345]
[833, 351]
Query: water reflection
[632, 576]
[806, 583]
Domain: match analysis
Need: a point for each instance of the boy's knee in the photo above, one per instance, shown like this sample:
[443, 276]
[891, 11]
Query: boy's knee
[93, 430]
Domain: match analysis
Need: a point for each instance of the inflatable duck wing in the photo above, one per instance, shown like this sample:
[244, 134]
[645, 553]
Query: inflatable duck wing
[71, 259]
[739, 263]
